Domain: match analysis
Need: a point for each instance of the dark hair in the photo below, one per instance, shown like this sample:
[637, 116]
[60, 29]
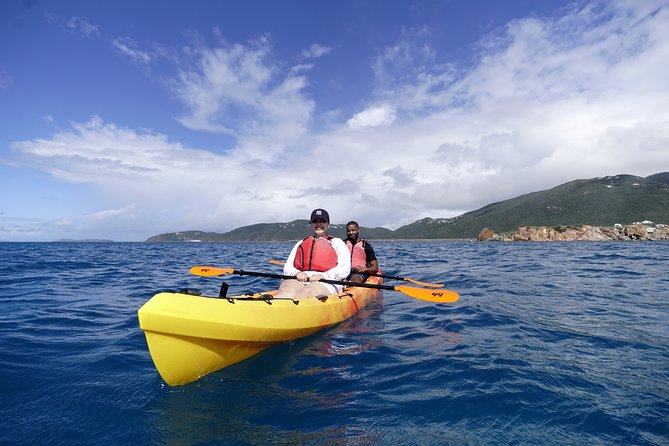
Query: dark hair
[353, 223]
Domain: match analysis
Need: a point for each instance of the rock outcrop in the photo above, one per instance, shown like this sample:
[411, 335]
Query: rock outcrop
[582, 232]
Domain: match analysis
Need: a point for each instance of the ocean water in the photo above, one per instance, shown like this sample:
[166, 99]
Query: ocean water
[550, 344]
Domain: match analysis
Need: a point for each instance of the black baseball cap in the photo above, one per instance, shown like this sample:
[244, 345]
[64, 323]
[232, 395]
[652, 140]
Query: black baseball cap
[319, 213]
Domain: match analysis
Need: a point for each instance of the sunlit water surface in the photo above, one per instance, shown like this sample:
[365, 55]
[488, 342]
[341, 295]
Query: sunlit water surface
[550, 344]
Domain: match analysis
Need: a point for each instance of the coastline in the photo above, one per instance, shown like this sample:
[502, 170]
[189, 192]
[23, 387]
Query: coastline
[635, 231]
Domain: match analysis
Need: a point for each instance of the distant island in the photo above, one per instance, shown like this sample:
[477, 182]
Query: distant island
[86, 240]
[603, 208]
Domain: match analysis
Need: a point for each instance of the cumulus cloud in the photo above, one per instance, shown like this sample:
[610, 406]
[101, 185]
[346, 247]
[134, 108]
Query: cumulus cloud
[373, 116]
[79, 154]
[546, 100]
[542, 104]
[150, 181]
[401, 177]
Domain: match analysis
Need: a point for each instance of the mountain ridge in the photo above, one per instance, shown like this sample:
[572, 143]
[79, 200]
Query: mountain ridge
[601, 201]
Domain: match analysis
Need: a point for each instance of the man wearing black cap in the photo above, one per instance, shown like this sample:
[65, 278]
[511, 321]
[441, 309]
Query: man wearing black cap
[317, 257]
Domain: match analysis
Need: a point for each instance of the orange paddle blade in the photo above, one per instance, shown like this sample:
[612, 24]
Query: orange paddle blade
[208, 271]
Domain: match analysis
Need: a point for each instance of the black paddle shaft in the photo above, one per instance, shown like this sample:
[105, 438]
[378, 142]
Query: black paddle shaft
[241, 272]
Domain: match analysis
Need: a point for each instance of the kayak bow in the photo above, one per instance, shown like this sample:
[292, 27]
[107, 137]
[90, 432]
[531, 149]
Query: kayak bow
[190, 336]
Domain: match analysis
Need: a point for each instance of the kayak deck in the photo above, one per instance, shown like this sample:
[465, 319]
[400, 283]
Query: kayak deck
[190, 336]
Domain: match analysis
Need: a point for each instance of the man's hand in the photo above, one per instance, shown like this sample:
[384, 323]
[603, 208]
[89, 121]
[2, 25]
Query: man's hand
[316, 277]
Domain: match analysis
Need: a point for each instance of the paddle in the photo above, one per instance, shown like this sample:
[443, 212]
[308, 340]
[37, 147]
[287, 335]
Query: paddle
[417, 293]
[385, 276]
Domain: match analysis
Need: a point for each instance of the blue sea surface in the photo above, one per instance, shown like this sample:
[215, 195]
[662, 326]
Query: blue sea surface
[550, 344]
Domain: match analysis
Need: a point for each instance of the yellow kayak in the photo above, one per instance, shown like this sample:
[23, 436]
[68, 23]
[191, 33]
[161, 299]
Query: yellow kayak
[190, 336]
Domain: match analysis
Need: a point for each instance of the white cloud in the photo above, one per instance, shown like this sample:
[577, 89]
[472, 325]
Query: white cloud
[547, 101]
[539, 106]
[401, 177]
[32, 229]
[149, 182]
[129, 48]
[83, 27]
[402, 62]
[315, 51]
[80, 154]
[378, 115]
[236, 89]
[111, 213]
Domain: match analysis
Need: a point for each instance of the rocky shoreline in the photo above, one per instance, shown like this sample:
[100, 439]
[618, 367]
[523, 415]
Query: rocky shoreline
[637, 231]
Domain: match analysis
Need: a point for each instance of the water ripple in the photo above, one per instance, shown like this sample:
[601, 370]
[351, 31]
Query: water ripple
[551, 344]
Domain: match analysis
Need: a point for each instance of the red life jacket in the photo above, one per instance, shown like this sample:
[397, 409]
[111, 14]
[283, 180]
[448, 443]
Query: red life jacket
[358, 256]
[315, 254]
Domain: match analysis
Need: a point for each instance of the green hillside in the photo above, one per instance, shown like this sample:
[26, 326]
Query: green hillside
[294, 230]
[598, 201]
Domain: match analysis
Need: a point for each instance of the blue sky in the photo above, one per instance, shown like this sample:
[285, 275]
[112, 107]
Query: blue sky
[125, 119]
